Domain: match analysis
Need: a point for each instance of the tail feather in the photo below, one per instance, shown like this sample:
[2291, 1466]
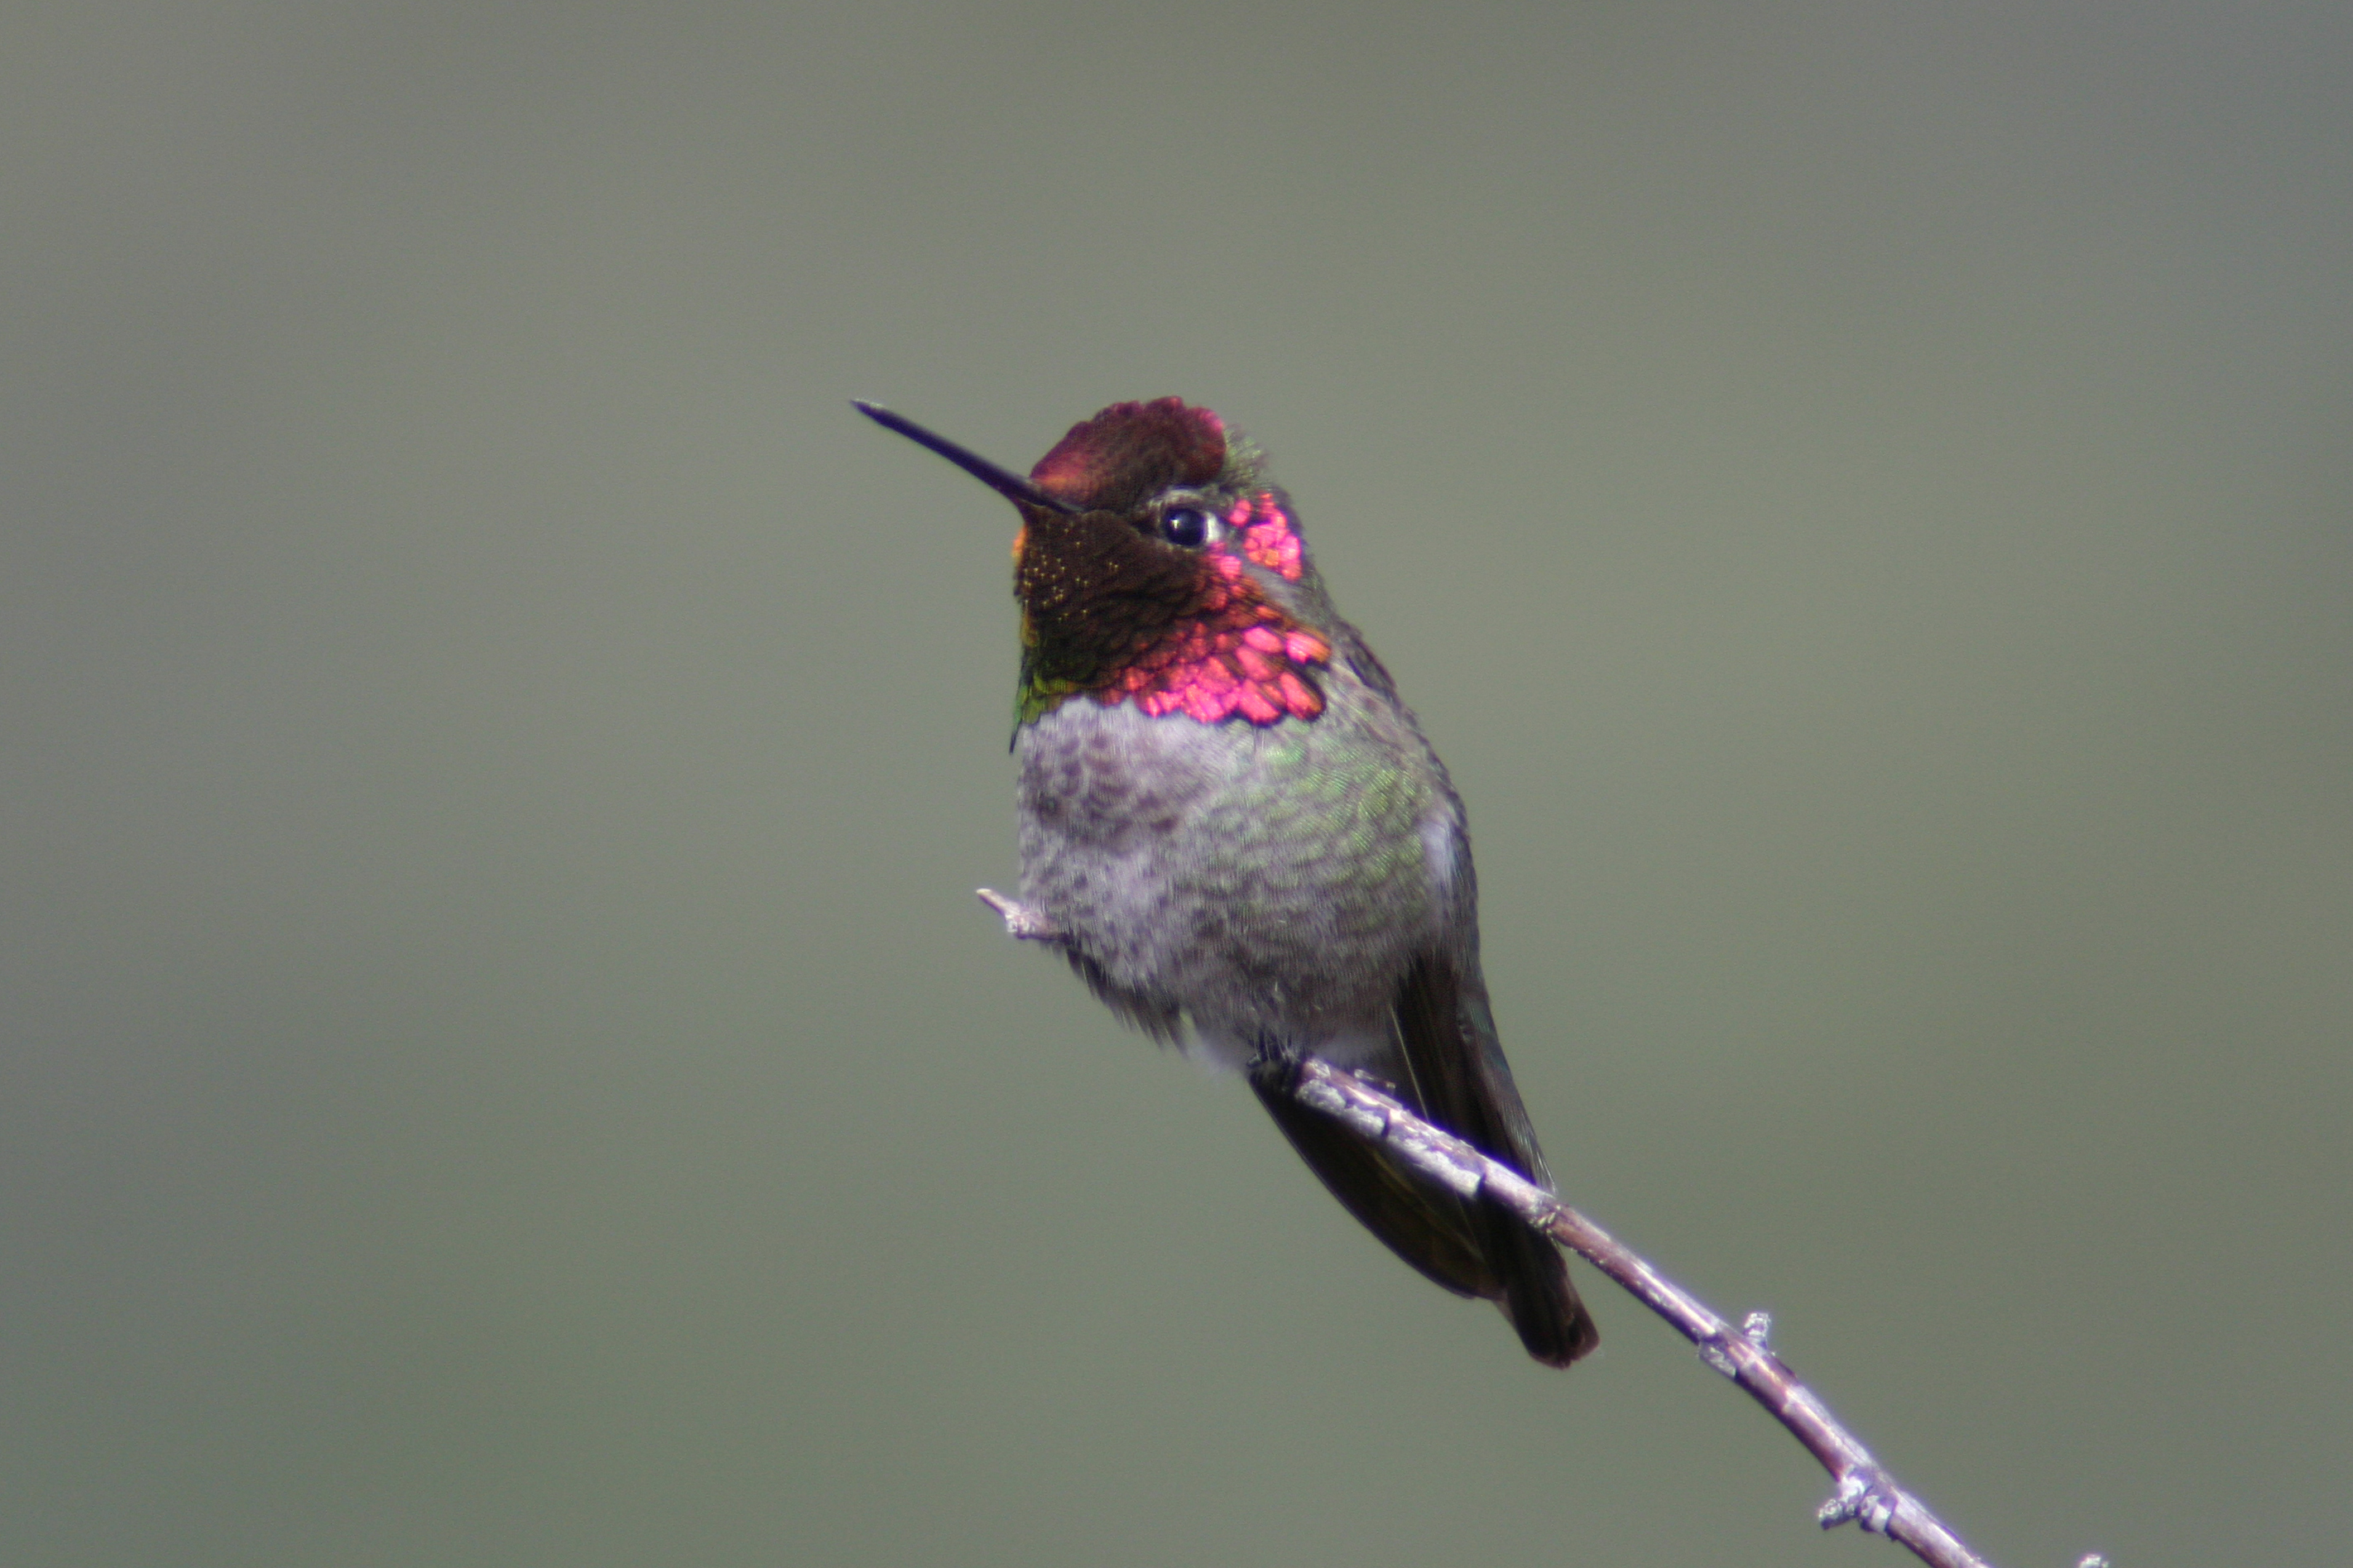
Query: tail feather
[1423, 1223]
[1456, 1062]
[1451, 1070]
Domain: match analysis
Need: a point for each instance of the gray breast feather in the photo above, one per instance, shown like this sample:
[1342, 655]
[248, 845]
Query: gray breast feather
[1273, 883]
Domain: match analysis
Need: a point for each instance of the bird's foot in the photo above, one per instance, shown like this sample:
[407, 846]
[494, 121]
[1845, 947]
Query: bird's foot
[1020, 920]
[1273, 1061]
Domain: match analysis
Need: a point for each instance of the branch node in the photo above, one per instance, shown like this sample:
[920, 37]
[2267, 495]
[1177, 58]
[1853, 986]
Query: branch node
[1864, 1495]
[1843, 1504]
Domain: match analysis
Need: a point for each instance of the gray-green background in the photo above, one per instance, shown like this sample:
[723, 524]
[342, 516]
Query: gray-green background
[501, 1062]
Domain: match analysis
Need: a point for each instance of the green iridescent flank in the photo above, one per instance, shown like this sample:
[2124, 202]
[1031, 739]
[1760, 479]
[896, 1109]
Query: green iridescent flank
[1331, 808]
[1049, 676]
[1038, 697]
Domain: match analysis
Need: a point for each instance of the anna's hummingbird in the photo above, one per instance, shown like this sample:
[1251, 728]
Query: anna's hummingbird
[1230, 821]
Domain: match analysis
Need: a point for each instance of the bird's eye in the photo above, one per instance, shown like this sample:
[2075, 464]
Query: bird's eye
[1187, 528]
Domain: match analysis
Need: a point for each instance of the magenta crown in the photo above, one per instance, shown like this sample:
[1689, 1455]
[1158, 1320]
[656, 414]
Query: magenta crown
[1130, 452]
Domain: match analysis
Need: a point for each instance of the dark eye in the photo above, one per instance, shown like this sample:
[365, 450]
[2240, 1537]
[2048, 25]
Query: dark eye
[1187, 528]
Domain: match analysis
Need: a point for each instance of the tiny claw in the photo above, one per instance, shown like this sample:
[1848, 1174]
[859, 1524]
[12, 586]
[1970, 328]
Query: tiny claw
[1020, 920]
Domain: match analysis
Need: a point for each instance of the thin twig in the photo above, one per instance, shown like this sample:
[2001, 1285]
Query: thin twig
[1863, 1491]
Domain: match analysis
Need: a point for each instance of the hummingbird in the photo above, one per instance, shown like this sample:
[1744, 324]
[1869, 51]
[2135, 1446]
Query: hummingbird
[1233, 829]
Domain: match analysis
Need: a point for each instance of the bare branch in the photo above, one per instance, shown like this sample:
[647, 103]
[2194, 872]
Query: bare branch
[1020, 920]
[1863, 1491]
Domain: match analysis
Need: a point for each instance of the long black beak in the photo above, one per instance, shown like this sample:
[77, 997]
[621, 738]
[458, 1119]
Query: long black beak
[1004, 481]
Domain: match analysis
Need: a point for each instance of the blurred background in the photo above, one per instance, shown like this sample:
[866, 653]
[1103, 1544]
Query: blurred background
[502, 1061]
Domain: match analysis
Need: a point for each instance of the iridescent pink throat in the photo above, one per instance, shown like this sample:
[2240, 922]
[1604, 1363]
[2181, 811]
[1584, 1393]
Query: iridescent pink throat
[1236, 653]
